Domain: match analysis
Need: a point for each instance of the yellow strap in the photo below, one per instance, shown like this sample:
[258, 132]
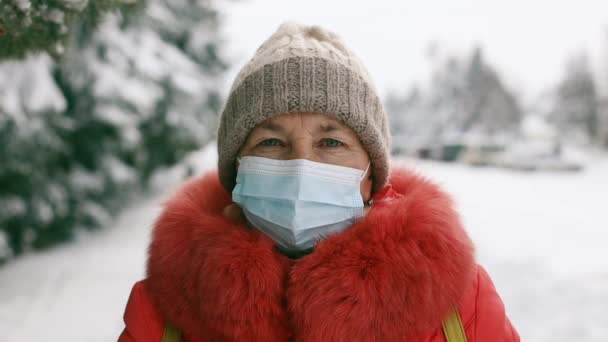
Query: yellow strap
[453, 329]
[171, 333]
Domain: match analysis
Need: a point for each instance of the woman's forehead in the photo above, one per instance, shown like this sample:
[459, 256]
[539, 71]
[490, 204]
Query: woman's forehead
[315, 121]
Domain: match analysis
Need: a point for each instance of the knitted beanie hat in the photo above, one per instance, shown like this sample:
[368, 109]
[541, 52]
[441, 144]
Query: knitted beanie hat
[303, 68]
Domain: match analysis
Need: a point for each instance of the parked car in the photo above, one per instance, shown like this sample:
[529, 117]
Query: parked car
[536, 156]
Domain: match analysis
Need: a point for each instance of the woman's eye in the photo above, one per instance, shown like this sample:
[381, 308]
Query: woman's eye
[331, 143]
[270, 142]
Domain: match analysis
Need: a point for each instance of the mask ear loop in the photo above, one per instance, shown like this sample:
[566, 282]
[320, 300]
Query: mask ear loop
[370, 201]
[365, 172]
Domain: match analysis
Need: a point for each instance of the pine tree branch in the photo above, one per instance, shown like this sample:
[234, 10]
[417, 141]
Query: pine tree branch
[30, 26]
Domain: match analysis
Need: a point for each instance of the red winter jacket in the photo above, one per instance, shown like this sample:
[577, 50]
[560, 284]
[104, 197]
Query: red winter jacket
[392, 276]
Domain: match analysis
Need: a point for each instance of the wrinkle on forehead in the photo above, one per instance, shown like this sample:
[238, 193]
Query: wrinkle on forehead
[311, 122]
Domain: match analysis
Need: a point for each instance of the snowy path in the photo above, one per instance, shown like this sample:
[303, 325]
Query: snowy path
[76, 292]
[541, 237]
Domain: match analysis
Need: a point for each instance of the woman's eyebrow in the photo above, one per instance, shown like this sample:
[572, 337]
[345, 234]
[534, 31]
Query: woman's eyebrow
[272, 126]
[330, 127]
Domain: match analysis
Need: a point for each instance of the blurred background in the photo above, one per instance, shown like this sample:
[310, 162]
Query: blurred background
[106, 106]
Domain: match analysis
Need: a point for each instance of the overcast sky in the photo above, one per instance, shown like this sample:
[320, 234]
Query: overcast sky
[528, 41]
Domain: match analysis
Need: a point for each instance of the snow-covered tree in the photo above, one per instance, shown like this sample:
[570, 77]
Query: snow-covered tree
[32, 187]
[475, 98]
[34, 25]
[464, 97]
[603, 94]
[603, 123]
[153, 78]
[78, 135]
[575, 111]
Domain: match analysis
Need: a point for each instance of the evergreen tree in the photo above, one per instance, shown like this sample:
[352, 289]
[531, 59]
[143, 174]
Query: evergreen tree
[491, 107]
[44, 25]
[33, 196]
[130, 95]
[603, 123]
[465, 97]
[476, 99]
[575, 112]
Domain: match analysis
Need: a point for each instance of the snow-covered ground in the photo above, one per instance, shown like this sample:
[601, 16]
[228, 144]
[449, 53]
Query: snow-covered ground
[78, 292]
[541, 236]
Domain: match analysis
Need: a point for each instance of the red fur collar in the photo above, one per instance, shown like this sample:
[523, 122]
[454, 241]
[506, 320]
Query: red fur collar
[393, 274]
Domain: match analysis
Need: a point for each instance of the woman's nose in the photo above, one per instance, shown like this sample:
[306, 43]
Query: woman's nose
[301, 149]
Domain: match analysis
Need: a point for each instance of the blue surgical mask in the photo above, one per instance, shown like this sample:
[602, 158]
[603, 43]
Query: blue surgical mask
[297, 202]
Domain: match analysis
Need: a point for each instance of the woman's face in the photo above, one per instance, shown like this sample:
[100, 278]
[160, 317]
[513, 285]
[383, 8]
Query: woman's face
[311, 136]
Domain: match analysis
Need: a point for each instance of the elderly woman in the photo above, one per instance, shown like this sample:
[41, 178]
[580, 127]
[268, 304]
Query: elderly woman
[304, 233]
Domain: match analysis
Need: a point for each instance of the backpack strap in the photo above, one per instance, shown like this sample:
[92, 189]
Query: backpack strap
[171, 333]
[453, 329]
